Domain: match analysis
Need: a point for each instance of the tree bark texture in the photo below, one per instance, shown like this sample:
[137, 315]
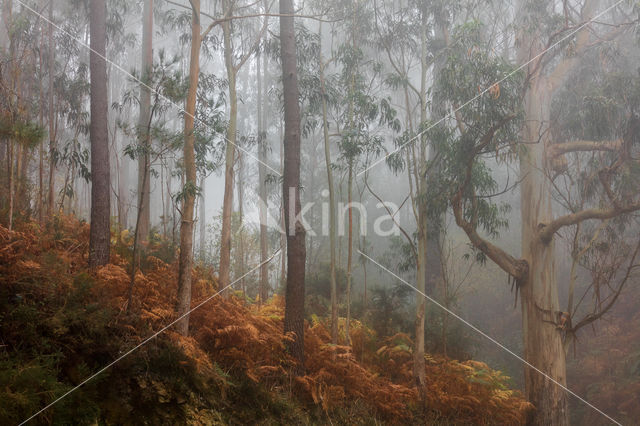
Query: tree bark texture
[296, 250]
[188, 199]
[100, 235]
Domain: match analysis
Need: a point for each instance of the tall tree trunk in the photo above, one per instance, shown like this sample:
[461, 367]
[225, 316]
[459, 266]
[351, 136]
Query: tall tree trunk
[543, 346]
[10, 142]
[422, 219]
[283, 235]
[421, 303]
[40, 203]
[120, 207]
[435, 274]
[7, 7]
[189, 187]
[332, 201]
[296, 250]
[347, 327]
[52, 133]
[10, 148]
[364, 272]
[241, 251]
[542, 341]
[227, 201]
[263, 290]
[100, 236]
[144, 166]
[203, 220]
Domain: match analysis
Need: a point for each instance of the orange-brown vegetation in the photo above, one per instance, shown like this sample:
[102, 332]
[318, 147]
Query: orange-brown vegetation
[231, 342]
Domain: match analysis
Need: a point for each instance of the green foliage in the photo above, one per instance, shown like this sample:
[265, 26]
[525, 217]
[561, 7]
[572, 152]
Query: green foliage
[389, 310]
[26, 133]
[601, 105]
[55, 334]
[487, 123]
[318, 282]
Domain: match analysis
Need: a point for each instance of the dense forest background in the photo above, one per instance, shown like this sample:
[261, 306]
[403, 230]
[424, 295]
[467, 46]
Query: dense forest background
[313, 212]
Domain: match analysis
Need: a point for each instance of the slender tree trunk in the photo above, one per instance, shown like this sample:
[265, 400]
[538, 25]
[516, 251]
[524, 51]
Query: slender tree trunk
[10, 148]
[227, 201]
[421, 302]
[296, 250]
[10, 142]
[40, 203]
[241, 250]
[349, 255]
[7, 7]
[136, 236]
[100, 235]
[203, 219]
[283, 235]
[52, 133]
[118, 171]
[144, 166]
[22, 160]
[365, 299]
[435, 274]
[189, 187]
[263, 290]
[422, 219]
[332, 203]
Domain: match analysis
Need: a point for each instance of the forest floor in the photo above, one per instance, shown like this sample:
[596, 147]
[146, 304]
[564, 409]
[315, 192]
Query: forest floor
[60, 323]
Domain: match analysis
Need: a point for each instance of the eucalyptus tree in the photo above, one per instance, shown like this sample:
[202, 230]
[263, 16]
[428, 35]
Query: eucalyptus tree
[74, 90]
[19, 130]
[51, 118]
[189, 190]
[512, 121]
[165, 82]
[261, 75]
[193, 154]
[341, 95]
[144, 168]
[359, 114]
[547, 74]
[332, 198]
[235, 56]
[405, 34]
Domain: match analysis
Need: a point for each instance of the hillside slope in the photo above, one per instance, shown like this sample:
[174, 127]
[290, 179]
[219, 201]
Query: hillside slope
[60, 323]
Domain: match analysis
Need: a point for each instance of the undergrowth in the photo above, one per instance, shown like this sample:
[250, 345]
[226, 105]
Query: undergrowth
[60, 323]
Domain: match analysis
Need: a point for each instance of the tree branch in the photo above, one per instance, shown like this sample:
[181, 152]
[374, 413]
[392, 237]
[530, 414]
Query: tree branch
[256, 15]
[517, 268]
[392, 215]
[558, 149]
[546, 231]
[595, 316]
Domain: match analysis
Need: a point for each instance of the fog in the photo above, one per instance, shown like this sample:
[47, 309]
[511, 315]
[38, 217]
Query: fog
[489, 151]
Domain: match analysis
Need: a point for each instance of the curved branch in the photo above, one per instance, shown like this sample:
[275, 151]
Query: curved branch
[406, 235]
[558, 149]
[517, 268]
[546, 231]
